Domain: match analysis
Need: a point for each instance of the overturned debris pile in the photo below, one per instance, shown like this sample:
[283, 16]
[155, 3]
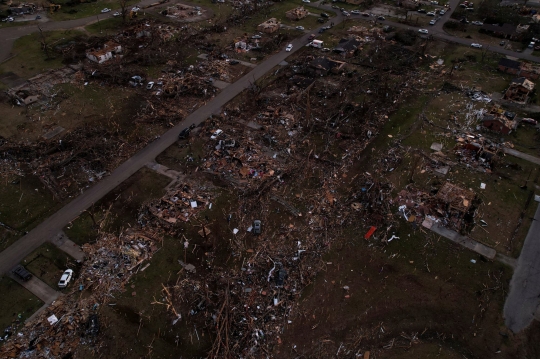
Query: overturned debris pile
[73, 319]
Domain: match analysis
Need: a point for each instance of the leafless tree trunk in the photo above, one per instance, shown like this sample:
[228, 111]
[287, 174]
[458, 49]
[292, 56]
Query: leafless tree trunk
[44, 43]
[123, 9]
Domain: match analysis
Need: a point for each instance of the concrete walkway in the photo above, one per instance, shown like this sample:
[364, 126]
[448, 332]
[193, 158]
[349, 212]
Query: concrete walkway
[68, 246]
[523, 300]
[522, 155]
[38, 288]
[459, 239]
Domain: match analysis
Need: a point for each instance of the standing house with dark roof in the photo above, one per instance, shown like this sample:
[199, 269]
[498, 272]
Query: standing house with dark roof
[519, 68]
[505, 30]
[347, 47]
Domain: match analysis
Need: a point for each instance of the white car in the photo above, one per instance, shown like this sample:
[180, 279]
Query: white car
[306, 1]
[431, 13]
[301, 28]
[433, 22]
[216, 134]
[355, 12]
[477, 23]
[475, 45]
[66, 278]
[442, 12]
[150, 85]
[10, 19]
[135, 9]
[423, 31]
[256, 37]
[105, 10]
[288, 48]
[116, 14]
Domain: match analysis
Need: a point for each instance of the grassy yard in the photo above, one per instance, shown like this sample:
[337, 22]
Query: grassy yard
[24, 202]
[18, 302]
[118, 210]
[86, 9]
[48, 263]
[30, 59]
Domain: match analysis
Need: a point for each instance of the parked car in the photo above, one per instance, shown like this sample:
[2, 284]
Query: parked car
[256, 227]
[423, 31]
[355, 12]
[38, 17]
[434, 3]
[10, 19]
[256, 37]
[116, 14]
[65, 278]
[431, 13]
[531, 45]
[301, 28]
[380, 18]
[476, 46]
[22, 273]
[345, 13]
[365, 14]
[306, 1]
[422, 11]
[234, 62]
[105, 10]
[185, 132]
[321, 20]
[135, 9]
[325, 49]
[323, 14]
[442, 12]
[502, 43]
[288, 48]
[477, 23]
[216, 134]
[150, 85]
[433, 22]
[530, 121]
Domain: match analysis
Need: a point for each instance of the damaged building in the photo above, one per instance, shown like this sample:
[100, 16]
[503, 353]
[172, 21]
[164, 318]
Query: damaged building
[297, 13]
[519, 90]
[269, 26]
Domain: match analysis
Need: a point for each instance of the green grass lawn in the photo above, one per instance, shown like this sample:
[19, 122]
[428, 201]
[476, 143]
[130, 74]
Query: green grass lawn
[87, 9]
[24, 202]
[30, 59]
[118, 210]
[18, 301]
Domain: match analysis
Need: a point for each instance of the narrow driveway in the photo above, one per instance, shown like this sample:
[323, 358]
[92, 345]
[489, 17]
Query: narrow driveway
[524, 296]
[54, 224]
[39, 288]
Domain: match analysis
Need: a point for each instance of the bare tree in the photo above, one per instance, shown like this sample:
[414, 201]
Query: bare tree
[123, 9]
[44, 44]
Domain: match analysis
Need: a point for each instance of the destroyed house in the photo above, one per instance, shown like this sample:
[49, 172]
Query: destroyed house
[347, 47]
[499, 124]
[99, 56]
[297, 13]
[269, 26]
[458, 201]
[505, 30]
[113, 47]
[322, 66]
[519, 90]
[300, 81]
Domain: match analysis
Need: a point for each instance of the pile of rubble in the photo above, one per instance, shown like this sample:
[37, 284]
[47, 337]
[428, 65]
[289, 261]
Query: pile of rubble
[73, 319]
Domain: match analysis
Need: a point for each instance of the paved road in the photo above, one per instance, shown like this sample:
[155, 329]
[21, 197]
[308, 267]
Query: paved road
[522, 155]
[524, 296]
[54, 224]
